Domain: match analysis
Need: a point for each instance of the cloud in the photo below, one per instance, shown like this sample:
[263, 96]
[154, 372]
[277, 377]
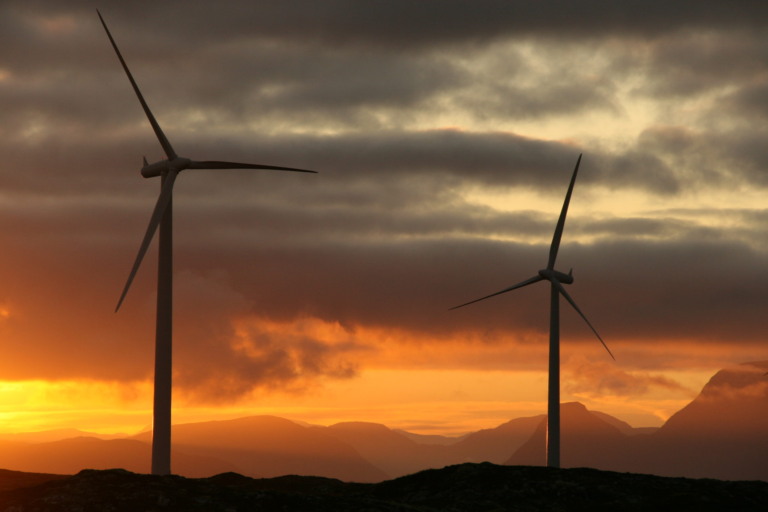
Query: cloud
[402, 24]
[694, 62]
[450, 158]
[604, 378]
[414, 115]
[227, 356]
[750, 100]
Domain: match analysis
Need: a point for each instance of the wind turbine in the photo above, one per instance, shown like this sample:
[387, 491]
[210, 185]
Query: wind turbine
[162, 218]
[556, 279]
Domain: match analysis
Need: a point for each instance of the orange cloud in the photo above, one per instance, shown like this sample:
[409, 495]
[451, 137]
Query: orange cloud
[601, 377]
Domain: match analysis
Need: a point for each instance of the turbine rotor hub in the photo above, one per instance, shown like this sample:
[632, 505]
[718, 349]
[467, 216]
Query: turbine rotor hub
[163, 166]
[561, 277]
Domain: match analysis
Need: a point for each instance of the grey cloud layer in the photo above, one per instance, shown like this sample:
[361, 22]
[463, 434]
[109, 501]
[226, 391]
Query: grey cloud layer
[402, 23]
[384, 235]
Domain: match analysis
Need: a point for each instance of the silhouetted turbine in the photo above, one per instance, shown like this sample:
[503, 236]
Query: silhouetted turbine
[162, 218]
[556, 279]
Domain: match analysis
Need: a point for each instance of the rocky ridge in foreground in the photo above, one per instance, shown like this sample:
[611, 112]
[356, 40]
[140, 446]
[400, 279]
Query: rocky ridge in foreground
[464, 487]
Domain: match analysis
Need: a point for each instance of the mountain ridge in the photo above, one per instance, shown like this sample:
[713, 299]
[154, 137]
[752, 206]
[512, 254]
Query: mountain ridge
[720, 434]
[464, 487]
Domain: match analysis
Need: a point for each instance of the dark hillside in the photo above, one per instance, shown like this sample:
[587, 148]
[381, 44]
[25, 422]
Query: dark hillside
[465, 487]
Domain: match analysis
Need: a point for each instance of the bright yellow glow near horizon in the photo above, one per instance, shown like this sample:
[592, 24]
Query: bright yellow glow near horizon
[425, 401]
[448, 385]
[102, 407]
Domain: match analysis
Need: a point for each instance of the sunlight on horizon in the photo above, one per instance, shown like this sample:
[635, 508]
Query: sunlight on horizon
[422, 401]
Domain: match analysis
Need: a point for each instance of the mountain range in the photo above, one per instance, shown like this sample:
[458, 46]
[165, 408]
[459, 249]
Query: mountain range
[720, 434]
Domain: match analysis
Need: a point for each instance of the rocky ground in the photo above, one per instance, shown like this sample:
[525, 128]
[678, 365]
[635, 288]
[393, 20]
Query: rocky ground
[465, 487]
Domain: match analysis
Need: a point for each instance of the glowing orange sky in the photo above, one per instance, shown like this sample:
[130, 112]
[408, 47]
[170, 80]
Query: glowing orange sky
[429, 386]
[444, 151]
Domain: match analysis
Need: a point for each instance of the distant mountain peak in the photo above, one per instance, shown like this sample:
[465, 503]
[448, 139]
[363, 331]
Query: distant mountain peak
[746, 380]
[732, 405]
[360, 426]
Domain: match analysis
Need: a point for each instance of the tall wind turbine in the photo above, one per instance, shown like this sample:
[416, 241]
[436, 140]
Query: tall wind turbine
[162, 218]
[557, 280]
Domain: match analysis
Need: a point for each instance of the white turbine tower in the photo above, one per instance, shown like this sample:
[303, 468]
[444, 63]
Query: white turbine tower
[557, 280]
[162, 218]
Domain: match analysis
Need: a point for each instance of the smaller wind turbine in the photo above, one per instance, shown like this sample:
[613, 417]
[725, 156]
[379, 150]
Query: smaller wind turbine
[162, 219]
[557, 280]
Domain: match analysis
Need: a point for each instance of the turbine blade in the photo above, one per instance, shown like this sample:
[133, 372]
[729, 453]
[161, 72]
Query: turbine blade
[561, 221]
[154, 221]
[564, 293]
[212, 164]
[534, 279]
[169, 152]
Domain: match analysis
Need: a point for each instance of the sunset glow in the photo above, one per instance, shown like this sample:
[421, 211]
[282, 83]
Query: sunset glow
[426, 401]
[444, 144]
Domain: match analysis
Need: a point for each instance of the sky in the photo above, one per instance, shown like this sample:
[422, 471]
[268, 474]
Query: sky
[444, 133]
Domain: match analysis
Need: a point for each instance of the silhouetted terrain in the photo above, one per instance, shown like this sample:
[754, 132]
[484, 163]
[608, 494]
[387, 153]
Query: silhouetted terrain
[16, 479]
[56, 435]
[466, 487]
[68, 456]
[265, 446]
[399, 454]
[587, 440]
[388, 450]
[721, 434]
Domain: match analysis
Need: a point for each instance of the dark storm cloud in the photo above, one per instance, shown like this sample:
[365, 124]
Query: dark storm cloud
[250, 357]
[710, 158]
[745, 153]
[558, 96]
[635, 227]
[354, 79]
[728, 157]
[708, 291]
[246, 77]
[278, 85]
[453, 157]
[675, 289]
[365, 225]
[752, 100]
[671, 289]
[695, 62]
[238, 50]
[405, 24]
[385, 235]
[439, 159]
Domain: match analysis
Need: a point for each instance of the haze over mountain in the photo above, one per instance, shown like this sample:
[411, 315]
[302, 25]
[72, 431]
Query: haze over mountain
[585, 437]
[68, 456]
[266, 446]
[399, 454]
[55, 435]
[721, 434]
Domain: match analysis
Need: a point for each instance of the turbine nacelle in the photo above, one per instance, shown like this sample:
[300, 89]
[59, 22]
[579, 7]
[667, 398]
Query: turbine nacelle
[164, 166]
[550, 274]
